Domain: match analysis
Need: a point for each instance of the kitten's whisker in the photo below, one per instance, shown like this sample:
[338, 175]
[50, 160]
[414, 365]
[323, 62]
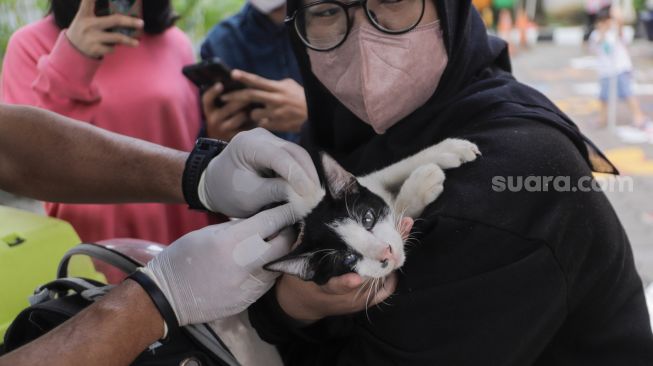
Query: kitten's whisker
[361, 288]
[330, 253]
[373, 290]
[411, 241]
[398, 216]
[367, 287]
[385, 301]
[419, 219]
[358, 293]
[324, 250]
[414, 234]
[367, 301]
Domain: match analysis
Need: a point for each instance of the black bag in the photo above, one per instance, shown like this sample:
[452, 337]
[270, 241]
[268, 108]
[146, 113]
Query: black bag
[59, 300]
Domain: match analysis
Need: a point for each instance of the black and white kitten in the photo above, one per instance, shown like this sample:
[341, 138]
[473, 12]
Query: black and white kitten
[353, 224]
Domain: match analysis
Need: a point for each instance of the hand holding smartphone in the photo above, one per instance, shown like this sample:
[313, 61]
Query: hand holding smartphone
[244, 100]
[223, 120]
[95, 36]
[132, 8]
[210, 72]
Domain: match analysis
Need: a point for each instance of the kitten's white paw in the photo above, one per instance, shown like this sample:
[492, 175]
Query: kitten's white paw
[422, 188]
[452, 153]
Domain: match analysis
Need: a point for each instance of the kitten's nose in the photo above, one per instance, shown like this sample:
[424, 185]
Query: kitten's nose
[386, 256]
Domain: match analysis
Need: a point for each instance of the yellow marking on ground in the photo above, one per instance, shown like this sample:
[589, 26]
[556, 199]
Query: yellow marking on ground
[579, 106]
[631, 161]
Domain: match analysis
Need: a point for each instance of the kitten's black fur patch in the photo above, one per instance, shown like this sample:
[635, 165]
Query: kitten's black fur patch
[322, 254]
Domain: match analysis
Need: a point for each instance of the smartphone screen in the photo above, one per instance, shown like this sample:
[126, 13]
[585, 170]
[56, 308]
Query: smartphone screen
[133, 8]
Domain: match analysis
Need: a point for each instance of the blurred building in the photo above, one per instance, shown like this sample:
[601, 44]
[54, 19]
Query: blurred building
[562, 4]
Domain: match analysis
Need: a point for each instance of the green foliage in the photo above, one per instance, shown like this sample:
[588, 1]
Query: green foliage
[197, 16]
[16, 13]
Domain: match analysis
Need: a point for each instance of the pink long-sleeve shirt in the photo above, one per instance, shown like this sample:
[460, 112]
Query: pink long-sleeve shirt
[139, 92]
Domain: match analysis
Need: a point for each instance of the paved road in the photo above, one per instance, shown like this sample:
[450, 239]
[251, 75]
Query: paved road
[565, 75]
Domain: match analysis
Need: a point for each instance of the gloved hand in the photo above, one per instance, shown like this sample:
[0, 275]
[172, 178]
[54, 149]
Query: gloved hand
[233, 183]
[217, 271]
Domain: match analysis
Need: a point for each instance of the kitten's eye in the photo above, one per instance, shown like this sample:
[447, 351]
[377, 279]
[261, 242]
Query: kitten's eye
[350, 259]
[369, 220]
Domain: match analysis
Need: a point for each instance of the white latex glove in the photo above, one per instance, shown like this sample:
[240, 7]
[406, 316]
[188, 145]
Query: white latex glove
[217, 271]
[233, 183]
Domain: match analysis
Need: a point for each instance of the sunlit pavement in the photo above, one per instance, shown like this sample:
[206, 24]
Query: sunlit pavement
[565, 74]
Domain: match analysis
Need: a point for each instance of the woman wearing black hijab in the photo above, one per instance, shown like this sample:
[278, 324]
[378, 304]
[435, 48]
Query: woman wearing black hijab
[499, 278]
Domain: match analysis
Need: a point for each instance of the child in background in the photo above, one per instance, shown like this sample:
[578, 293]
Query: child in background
[608, 43]
[503, 15]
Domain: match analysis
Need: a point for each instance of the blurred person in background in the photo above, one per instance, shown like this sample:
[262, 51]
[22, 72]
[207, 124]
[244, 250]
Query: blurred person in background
[72, 63]
[503, 9]
[592, 8]
[255, 41]
[503, 13]
[614, 61]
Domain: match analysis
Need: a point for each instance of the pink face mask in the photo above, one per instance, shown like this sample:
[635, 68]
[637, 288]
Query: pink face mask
[382, 78]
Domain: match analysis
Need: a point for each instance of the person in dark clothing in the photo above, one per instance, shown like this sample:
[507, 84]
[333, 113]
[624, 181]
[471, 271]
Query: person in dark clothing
[501, 276]
[256, 41]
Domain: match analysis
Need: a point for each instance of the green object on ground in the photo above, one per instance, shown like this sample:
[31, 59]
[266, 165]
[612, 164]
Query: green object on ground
[30, 249]
[503, 4]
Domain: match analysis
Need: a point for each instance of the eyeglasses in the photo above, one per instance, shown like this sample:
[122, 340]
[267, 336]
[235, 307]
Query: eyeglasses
[324, 25]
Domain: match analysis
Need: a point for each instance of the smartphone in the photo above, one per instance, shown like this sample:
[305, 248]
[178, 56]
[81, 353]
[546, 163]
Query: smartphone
[209, 72]
[133, 8]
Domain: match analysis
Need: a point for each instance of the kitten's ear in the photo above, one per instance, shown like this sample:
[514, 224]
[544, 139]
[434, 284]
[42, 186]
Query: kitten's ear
[339, 181]
[294, 264]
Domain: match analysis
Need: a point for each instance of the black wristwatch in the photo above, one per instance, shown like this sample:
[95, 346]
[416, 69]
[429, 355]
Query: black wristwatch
[205, 150]
[159, 299]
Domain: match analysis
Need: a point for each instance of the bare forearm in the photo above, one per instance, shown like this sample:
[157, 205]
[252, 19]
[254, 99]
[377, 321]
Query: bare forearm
[113, 332]
[49, 157]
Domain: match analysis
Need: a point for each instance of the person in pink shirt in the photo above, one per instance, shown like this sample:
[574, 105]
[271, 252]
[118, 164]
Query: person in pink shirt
[71, 63]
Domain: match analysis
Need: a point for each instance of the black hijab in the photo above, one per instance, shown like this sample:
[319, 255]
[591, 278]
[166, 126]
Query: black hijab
[477, 86]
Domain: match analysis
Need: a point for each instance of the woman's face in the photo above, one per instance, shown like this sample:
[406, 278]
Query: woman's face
[358, 70]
